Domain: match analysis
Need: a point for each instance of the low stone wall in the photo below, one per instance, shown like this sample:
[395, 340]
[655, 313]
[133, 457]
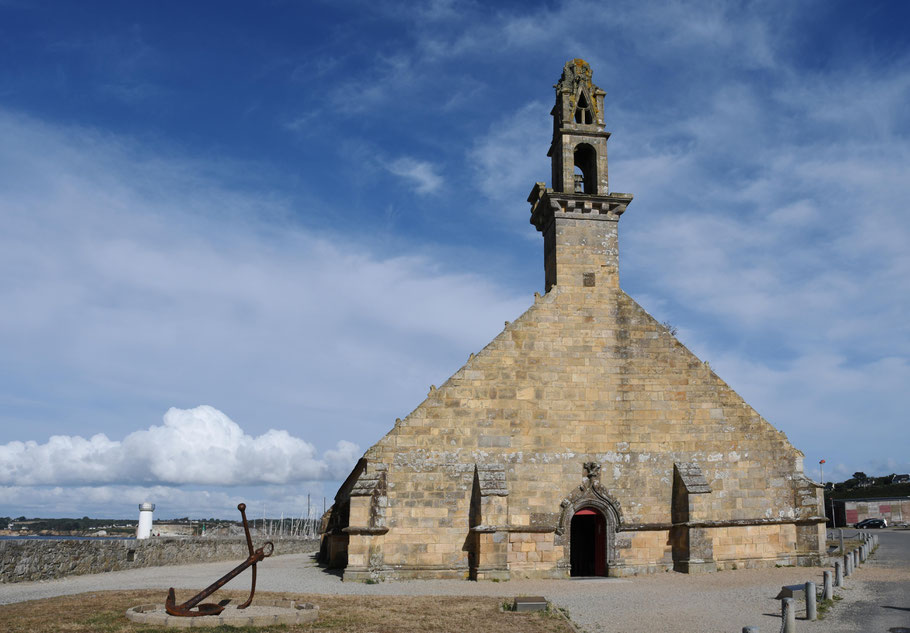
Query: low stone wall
[22, 560]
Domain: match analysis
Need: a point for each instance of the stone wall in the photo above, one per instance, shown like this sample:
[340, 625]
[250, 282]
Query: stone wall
[893, 510]
[25, 560]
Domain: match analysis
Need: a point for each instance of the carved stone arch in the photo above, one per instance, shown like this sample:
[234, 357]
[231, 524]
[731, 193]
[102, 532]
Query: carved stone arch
[590, 494]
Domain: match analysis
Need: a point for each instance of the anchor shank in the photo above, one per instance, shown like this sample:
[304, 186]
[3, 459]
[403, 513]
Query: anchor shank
[246, 526]
[254, 558]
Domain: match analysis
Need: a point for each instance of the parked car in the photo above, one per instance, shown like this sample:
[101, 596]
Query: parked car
[869, 524]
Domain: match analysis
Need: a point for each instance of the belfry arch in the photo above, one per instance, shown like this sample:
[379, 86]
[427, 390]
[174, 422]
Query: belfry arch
[586, 160]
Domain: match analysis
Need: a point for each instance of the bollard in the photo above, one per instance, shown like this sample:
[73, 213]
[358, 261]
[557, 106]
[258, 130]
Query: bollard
[750, 629]
[855, 560]
[848, 564]
[811, 606]
[827, 588]
[842, 550]
[838, 573]
[862, 553]
[787, 615]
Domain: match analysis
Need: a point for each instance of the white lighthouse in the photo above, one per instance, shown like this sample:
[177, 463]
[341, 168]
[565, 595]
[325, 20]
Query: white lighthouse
[144, 530]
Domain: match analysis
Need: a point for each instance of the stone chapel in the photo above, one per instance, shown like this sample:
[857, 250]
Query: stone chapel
[584, 440]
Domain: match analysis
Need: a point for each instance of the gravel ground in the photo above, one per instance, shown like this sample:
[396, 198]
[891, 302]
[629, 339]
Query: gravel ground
[661, 603]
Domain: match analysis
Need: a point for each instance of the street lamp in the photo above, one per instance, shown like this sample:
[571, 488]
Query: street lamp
[821, 475]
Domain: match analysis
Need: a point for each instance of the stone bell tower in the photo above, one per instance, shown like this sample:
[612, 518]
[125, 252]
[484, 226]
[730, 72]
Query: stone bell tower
[578, 216]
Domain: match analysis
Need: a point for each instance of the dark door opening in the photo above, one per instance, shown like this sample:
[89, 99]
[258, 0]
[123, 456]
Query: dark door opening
[588, 543]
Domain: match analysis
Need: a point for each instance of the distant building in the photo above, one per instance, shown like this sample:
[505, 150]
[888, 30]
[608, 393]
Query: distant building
[900, 479]
[894, 510]
[144, 528]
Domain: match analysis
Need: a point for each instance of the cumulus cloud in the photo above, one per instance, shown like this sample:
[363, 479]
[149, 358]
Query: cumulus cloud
[200, 446]
[420, 174]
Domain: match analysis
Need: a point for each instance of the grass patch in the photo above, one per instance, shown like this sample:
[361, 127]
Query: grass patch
[848, 543]
[825, 605]
[104, 612]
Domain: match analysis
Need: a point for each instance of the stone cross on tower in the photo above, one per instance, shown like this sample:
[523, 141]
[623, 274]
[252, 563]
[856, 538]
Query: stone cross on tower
[578, 216]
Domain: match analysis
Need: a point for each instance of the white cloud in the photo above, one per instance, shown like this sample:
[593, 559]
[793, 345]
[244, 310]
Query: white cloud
[512, 155]
[420, 174]
[194, 446]
[135, 280]
[778, 244]
[822, 402]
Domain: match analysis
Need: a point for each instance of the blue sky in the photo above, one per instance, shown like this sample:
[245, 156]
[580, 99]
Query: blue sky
[240, 239]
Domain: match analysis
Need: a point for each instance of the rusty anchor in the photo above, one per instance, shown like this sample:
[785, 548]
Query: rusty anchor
[187, 608]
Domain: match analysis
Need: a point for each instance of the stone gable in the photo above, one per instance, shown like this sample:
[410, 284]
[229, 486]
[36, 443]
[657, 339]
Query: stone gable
[584, 416]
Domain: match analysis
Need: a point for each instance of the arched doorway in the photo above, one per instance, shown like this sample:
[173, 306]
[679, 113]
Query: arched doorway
[587, 545]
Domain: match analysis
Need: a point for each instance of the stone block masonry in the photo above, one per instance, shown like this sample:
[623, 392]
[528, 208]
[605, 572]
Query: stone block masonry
[33, 559]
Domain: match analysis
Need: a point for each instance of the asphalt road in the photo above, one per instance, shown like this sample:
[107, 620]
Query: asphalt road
[879, 600]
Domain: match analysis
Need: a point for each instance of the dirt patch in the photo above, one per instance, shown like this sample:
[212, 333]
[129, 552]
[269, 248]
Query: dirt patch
[104, 612]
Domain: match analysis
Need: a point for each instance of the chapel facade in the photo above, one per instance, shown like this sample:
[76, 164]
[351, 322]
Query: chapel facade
[584, 440]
